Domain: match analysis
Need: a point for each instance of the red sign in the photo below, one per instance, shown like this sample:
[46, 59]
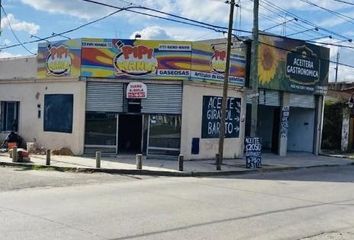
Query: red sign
[136, 90]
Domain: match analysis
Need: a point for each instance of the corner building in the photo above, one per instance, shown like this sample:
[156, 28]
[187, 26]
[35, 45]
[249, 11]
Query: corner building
[125, 97]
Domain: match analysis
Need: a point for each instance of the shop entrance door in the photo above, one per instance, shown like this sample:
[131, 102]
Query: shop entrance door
[129, 133]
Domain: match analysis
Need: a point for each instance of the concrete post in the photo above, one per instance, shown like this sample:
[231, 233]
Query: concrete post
[139, 161]
[14, 154]
[345, 130]
[318, 124]
[180, 162]
[218, 162]
[47, 159]
[98, 159]
[283, 133]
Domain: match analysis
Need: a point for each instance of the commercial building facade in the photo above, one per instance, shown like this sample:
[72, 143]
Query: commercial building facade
[161, 97]
[293, 77]
[127, 96]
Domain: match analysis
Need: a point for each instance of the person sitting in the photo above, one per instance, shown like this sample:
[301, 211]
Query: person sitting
[14, 138]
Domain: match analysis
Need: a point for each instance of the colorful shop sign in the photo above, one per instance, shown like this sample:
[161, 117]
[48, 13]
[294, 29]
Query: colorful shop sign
[209, 61]
[292, 65]
[165, 60]
[59, 59]
[136, 59]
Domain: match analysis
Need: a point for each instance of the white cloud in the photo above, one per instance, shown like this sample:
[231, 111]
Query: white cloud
[210, 11]
[7, 41]
[153, 32]
[175, 33]
[8, 55]
[75, 8]
[18, 25]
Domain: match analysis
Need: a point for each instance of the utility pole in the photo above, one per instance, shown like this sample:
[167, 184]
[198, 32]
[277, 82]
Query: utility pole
[0, 16]
[225, 87]
[254, 70]
[336, 77]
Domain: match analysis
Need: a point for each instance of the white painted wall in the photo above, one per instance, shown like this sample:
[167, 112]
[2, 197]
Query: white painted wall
[18, 68]
[192, 123]
[31, 127]
[300, 134]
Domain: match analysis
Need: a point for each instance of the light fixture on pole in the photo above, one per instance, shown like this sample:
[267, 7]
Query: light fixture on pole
[59, 34]
[351, 101]
[317, 38]
[41, 39]
[307, 30]
[285, 22]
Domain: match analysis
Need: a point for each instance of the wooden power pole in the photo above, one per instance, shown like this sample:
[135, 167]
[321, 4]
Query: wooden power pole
[254, 70]
[225, 88]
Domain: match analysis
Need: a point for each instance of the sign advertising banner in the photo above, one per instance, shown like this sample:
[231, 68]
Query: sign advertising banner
[209, 61]
[212, 114]
[136, 90]
[292, 65]
[136, 59]
[147, 59]
[253, 152]
[59, 59]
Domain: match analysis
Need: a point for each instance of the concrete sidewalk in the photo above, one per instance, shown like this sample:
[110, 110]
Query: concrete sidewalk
[169, 166]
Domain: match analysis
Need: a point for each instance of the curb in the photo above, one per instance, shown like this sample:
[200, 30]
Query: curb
[335, 156]
[163, 173]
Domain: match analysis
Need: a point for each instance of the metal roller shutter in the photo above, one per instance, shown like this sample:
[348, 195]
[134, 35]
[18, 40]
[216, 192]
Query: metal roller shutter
[269, 98]
[163, 98]
[104, 97]
[303, 101]
[272, 98]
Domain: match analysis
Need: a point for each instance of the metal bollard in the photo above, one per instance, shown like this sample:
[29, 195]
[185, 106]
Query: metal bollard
[98, 159]
[218, 162]
[14, 154]
[139, 161]
[47, 159]
[180, 162]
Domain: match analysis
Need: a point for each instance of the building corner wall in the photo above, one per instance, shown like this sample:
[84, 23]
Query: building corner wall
[31, 100]
[192, 107]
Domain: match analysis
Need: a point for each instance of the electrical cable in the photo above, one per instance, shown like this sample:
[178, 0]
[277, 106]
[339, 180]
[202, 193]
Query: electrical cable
[65, 32]
[341, 1]
[292, 51]
[304, 20]
[338, 14]
[13, 32]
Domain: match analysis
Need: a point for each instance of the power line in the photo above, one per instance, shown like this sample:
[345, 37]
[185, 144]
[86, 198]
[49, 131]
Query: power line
[65, 32]
[13, 32]
[341, 1]
[338, 14]
[304, 20]
[292, 51]
[192, 21]
[296, 23]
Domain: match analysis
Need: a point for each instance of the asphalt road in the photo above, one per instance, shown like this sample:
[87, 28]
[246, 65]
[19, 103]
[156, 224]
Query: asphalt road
[313, 204]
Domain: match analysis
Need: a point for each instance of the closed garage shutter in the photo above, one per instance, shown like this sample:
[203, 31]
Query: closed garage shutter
[266, 97]
[269, 98]
[104, 97]
[303, 101]
[163, 98]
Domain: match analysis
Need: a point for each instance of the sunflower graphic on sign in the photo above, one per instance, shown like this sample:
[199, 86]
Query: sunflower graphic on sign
[267, 61]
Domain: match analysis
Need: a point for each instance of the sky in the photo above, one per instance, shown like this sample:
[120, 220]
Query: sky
[32, 19]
